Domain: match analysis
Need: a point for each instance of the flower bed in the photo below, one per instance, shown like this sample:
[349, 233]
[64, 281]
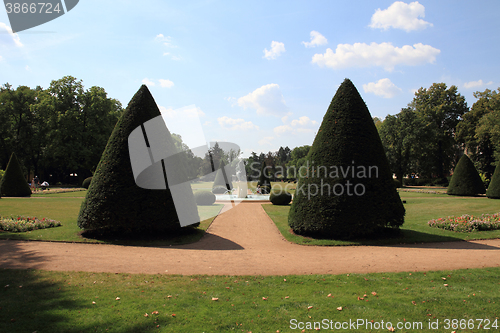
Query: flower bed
[22, 223]
[467, 223]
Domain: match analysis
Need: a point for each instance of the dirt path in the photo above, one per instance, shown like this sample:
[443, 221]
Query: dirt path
[244, 241]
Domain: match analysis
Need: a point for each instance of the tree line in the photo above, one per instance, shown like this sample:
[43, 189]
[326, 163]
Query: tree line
[58, 131]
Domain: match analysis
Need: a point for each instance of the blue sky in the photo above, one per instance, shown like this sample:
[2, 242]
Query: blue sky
[262, 73]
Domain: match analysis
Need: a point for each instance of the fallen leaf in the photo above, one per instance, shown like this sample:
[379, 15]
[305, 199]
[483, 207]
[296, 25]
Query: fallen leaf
[360, 298]
[446, 284]
[329, 295]
[339, 308]
[154, 312]
[173, 314]
[118, 298]
[287, 296]
[374, 293]
[309, 307]
[215, 298]
[284, 280]
[413, 302]
[93, 302]
[444, 279]
[264, 298]
[146, 315]
[391, 329]
[169, 296]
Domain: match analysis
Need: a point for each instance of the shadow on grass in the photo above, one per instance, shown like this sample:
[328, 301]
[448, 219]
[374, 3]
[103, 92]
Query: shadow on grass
[32, 302]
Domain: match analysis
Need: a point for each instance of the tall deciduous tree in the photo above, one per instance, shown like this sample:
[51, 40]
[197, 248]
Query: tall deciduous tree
[439, 109]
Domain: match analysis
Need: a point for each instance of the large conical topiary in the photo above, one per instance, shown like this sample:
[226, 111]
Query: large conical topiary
[346, 189]
[222, 182]
[465, 179]
[114, 204]
[13, 182]
[493, 191]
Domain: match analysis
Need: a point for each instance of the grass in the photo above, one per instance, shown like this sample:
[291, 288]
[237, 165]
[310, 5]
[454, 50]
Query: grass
[64, 207]
[53, 302]
[420, 208]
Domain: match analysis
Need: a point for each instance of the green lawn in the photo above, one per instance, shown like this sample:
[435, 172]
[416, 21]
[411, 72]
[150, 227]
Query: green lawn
[41, 301]
[420, 208]
[64, 207]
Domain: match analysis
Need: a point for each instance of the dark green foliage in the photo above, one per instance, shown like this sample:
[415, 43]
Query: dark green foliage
[114, 204]
[465, 179]
[397, 183]
[368, 201]
[86, 182]
[13, 182]
[494, 187]
[204, 198]
[265, 189]
[280, 198]
[264, 178]
[220, 180]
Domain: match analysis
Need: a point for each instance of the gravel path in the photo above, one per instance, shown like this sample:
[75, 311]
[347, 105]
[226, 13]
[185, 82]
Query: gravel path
[244, 241]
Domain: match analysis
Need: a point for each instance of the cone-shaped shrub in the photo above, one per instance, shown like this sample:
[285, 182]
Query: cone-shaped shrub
[221, 183]
[465, 179]
[114, 203]
[493, 191]
[347, 188]
[264, 179]
[13, 182]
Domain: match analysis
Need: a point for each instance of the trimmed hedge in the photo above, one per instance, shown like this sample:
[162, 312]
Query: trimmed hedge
[465, 180]
[204, 198]
[493, 191]
[114, 204]
[13, 182]
[348, 189]
[280, 198]
[86, 182]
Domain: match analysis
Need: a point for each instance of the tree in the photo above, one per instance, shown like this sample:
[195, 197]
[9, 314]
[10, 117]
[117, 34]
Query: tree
[347, 190]
[493, 191]
[400, 135]
[13, 183]
[222, 182]
[465, 179]
[114, 203]
[297, 159]
[440, 110]
[264, 178]
[477, 130]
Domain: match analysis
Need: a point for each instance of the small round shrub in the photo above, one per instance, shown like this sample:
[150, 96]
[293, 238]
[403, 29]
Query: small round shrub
[86, 182]
[397, 183]
[204, 198]
[280, 198]
[219, 189]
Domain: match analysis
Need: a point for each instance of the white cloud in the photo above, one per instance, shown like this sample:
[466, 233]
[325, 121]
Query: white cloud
[267, 99]
[266, 141]
[383, 87]
[384, 55]
[276, 49]
[400, 15]
[166, 83]
[236, 124]
[148, 82]
[190, 111]
[476, 84]
[27, 68]
[302, 125]
[11, 37]
[316, 39]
